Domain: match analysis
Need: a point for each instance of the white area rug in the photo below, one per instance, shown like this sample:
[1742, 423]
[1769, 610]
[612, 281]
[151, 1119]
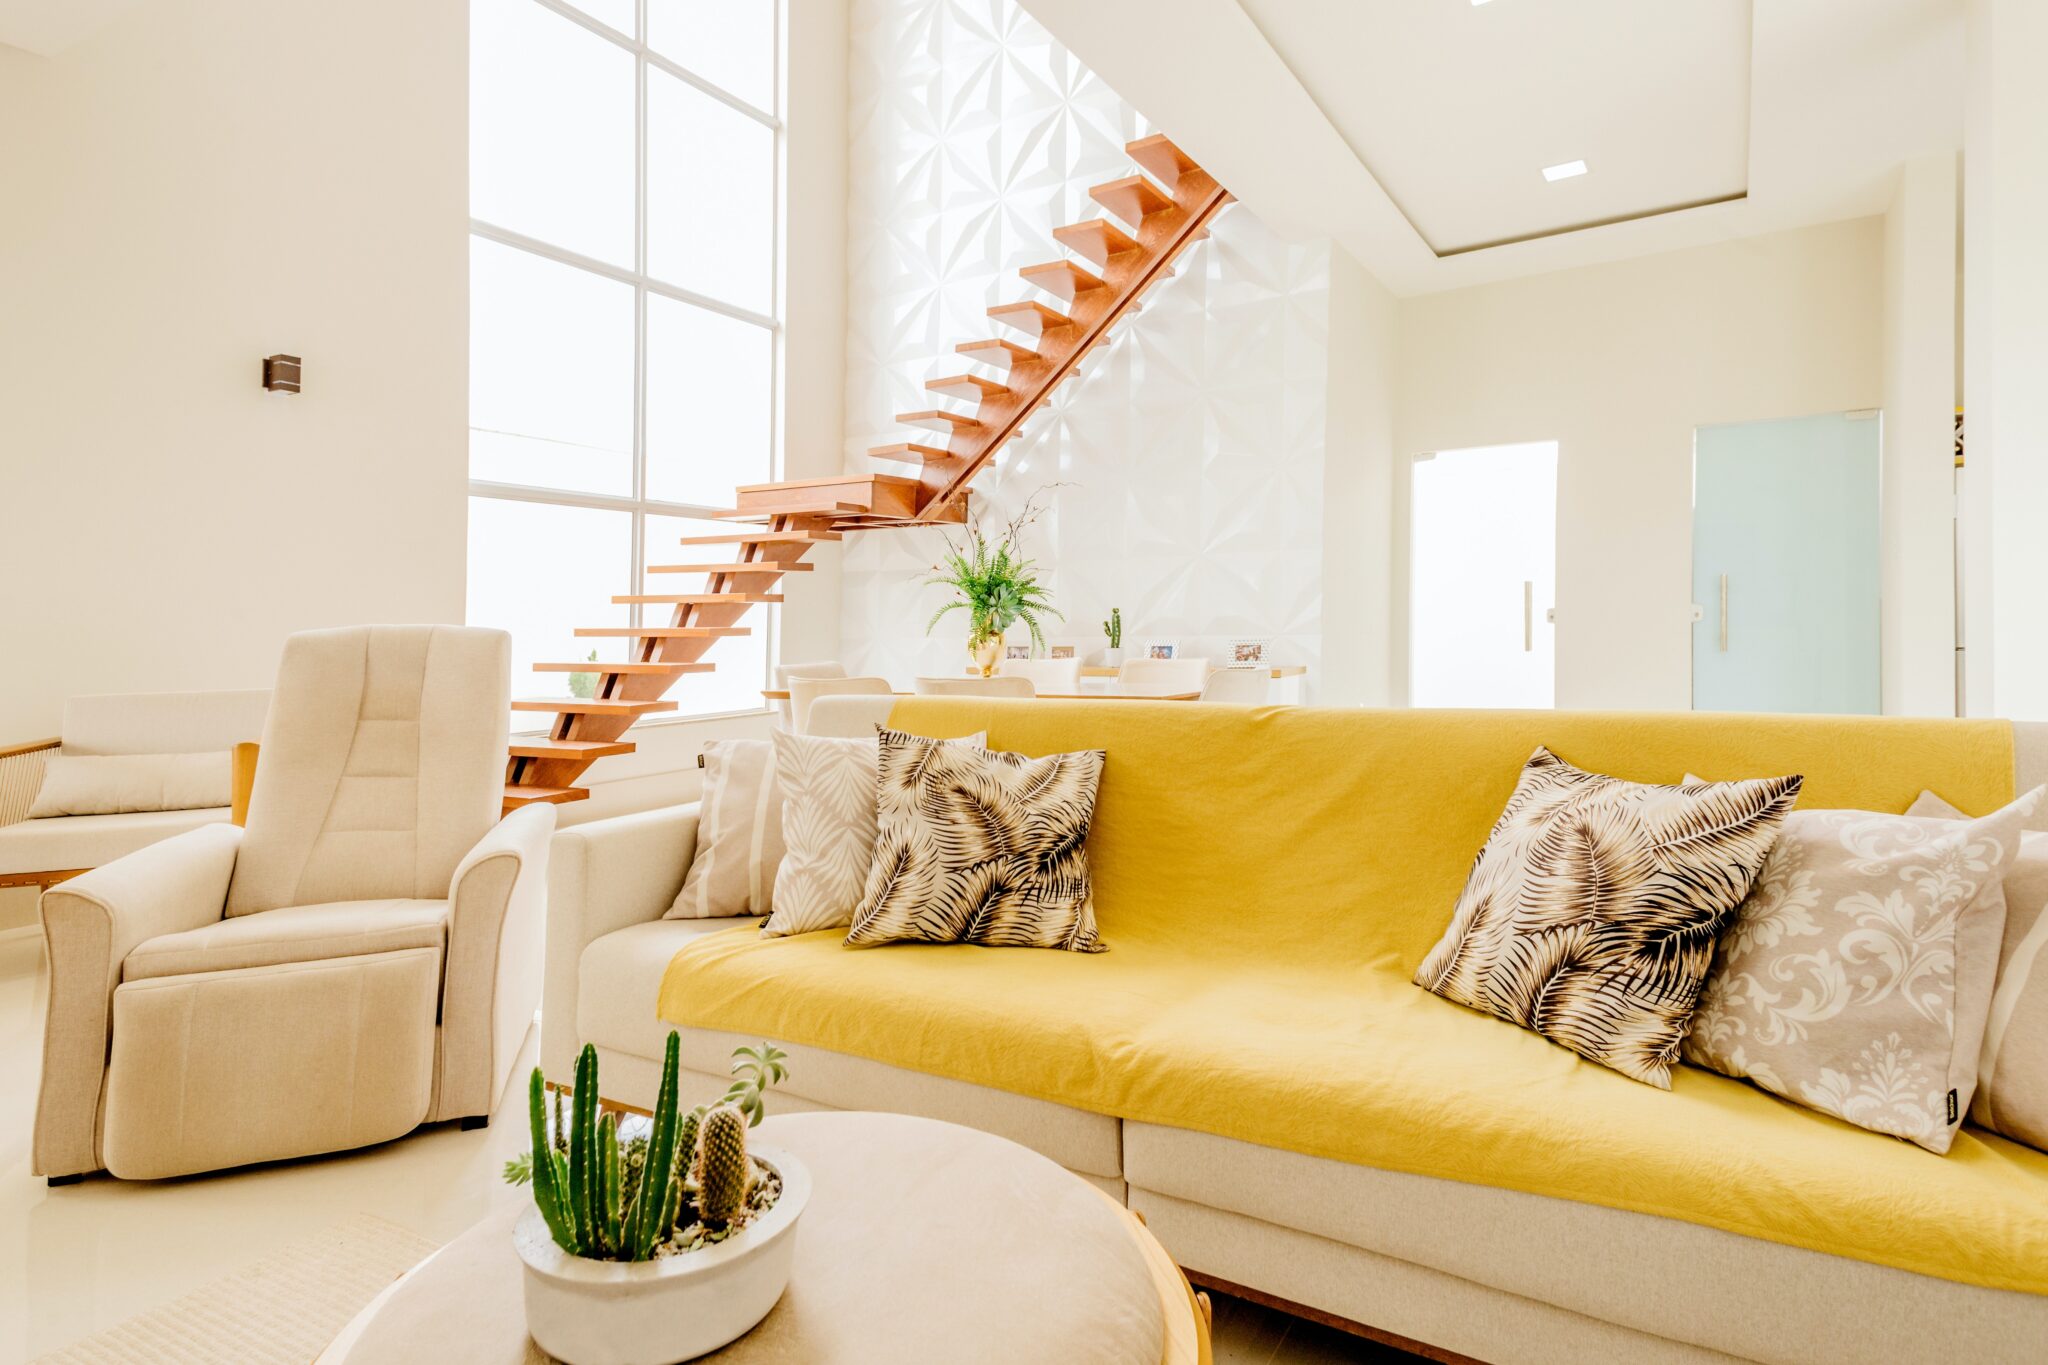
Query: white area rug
[286, 1308]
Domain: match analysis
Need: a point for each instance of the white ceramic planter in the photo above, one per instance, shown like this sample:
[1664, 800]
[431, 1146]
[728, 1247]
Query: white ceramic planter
[1112, 658]
[668, 1309]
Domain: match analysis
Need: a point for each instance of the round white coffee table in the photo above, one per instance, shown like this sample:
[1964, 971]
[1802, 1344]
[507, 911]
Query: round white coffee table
[923, 1241]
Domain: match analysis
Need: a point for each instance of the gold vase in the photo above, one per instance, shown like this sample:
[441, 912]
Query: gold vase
[986, 653]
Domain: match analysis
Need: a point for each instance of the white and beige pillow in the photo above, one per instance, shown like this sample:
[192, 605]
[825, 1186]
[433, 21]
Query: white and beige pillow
[828, 790]
[2012, 1065]
[1857, 977]
[1591, 912]
[981, 847]
[739, 834]
[115, 784]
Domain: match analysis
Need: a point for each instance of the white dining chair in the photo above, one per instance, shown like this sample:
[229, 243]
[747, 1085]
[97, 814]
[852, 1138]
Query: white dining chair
[1239, 686]
[1059, 677]
[804, 691]
[1002, 685]
[784, 673]
[1161, 675]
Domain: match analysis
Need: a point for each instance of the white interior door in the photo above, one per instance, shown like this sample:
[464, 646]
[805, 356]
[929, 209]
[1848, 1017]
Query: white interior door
[1482, 577]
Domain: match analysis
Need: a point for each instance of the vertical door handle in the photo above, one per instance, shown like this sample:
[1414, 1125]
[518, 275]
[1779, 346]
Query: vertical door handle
[1528, 615]
[1724, 613]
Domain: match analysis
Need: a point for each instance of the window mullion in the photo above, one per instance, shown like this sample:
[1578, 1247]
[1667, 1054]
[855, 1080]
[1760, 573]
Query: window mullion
[639, 546]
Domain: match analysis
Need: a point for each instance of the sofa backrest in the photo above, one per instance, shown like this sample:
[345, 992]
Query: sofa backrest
[383, 763]
[162, 722]
[1326, 835]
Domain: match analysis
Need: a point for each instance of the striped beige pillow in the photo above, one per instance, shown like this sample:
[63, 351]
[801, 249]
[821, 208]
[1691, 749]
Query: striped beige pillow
[739, 834]
[2012, 1069]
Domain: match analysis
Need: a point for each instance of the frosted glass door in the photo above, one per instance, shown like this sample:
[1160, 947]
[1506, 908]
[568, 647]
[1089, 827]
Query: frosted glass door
[1482, 573]
[1785, 566]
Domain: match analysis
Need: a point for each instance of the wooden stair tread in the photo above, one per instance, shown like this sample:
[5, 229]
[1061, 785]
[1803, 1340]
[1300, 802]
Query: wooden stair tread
[1098, 239]
[764, 538]
[756, 566]
[968, 386]
[939, 419]
[659, 633]
[995, 351]
[1133, 198]
[520, 794]
[627, 669]
[909, 452]
[1030, 317]
[1166, 162]
[592, 706]
[796, 507]
[1064, 278]
[698, 599]
[528, 747]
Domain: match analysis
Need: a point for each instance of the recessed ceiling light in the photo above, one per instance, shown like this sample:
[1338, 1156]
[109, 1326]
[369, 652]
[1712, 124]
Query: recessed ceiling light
[1564, 170]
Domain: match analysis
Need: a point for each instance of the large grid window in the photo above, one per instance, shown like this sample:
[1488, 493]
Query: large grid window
[625, 316]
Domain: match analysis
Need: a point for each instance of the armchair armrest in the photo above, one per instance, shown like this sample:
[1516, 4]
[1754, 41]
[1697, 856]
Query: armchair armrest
[490, 983]
[21, 773]
[90, 925]
[604, 876]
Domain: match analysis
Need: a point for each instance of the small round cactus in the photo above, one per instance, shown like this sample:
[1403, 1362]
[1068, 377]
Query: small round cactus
[725, 1174]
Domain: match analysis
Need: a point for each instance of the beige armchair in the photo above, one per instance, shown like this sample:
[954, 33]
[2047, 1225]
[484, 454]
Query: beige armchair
[365, 956]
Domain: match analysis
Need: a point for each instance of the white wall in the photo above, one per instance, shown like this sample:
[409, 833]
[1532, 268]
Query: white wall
[1920, 347]
[199, 185]
[206, 182]
[1194, 444]
[1619, 363]
[1358, 504]
[2005, 356]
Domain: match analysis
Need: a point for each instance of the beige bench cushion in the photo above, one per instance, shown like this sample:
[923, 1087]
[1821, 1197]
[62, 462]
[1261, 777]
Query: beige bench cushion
[620, 978]
[302, 933]
[1749, 1298]
[63, 843]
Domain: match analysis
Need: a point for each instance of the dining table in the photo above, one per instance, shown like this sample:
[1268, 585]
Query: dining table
[1104, 694]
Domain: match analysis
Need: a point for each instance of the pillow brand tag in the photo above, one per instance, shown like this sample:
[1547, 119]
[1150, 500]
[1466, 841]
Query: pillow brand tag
[1952, 1106]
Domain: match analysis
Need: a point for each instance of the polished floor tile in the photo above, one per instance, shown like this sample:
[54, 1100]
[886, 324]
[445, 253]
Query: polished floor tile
[83, 1257]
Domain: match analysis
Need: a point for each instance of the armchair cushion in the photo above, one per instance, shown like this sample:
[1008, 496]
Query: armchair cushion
[59, 843]
[300, 933]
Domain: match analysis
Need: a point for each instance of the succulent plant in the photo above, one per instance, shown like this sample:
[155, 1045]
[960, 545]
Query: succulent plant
[725, 1173]
[609, 1198]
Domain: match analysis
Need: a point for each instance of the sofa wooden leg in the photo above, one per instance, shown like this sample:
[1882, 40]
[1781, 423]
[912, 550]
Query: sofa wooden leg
[476, 1121]
[54, 1181]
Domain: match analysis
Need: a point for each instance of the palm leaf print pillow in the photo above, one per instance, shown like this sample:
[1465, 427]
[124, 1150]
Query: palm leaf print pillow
[1590, 915]
[977, 846]
[1857, 978]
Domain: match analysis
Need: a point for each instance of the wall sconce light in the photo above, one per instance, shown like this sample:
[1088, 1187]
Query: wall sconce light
[281, 373]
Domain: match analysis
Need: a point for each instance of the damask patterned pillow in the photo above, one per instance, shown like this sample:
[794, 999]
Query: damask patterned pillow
[829, 788]
[2012, 1066]
[1857, 976]
[980, 847]
[1590, 915]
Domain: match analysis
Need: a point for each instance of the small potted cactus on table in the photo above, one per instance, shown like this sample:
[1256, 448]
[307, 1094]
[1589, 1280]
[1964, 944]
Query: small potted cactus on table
[654, 1239]
[1113, 631]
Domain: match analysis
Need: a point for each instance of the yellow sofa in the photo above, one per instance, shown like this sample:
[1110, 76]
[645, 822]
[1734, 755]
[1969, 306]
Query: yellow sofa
[1294, 1116]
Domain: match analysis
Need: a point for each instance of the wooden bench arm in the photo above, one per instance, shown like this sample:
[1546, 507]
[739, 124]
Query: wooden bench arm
[34, 746]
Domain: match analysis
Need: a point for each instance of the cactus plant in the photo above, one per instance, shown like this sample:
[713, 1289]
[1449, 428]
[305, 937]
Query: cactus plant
[725, 1173]
[605, 1197]
[1114, 628]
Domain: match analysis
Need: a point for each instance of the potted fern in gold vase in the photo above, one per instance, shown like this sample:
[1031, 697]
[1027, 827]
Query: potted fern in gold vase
[997, 587]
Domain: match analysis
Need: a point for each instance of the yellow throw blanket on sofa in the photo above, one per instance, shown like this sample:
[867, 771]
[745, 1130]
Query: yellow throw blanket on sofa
[1267, 880]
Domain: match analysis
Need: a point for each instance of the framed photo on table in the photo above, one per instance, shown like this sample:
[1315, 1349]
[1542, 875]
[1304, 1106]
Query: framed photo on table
[1017, 651]
[1157, 649]
[1063, 649]
[1248, 653]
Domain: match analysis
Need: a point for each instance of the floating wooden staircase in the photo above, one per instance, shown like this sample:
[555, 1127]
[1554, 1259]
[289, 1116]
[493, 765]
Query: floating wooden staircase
[1163, 211]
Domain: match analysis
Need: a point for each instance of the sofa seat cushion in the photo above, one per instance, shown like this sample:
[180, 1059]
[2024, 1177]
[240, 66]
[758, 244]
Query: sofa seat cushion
[1656, 1275]
[619, 980]
[63, 843]
[1353, 1063]
[299, 933]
